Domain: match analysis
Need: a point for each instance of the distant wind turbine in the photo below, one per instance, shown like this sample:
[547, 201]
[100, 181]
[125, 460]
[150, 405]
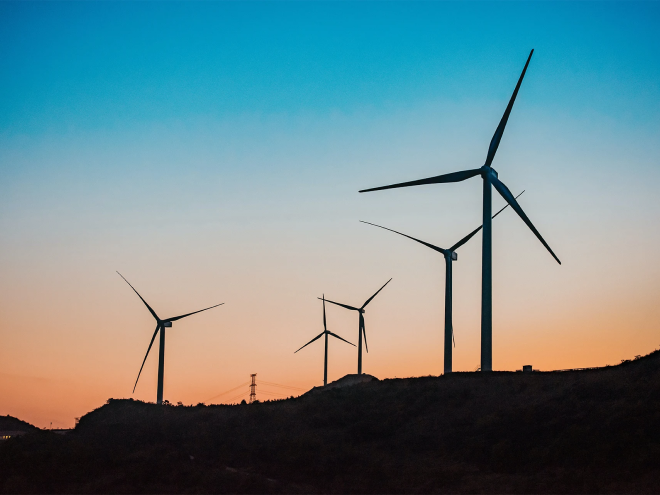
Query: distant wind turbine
[325, 332]
[361, 328]
[450, 255]
[160, 326]
[489, 176]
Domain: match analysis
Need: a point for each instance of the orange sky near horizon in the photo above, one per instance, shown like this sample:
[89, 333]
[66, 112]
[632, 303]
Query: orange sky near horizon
[75, 333]
[213, 155]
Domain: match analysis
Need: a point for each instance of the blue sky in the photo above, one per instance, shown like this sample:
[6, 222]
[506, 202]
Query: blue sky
[112, 65]
[212, 152]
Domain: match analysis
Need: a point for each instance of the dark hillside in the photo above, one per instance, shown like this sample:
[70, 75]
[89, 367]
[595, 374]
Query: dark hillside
[560, 432]
[10, 423]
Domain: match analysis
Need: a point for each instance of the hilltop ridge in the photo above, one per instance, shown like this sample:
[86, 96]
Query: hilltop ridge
[507, 432]
[10, 423]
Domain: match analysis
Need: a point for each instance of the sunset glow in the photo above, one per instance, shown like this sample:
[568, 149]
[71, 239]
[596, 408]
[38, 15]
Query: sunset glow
[213, 153]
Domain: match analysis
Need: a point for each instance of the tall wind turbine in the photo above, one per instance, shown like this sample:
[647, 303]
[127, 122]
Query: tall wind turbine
[325, 332]
[361, 328]
[450, 256]
[489, 176]
[161, 325]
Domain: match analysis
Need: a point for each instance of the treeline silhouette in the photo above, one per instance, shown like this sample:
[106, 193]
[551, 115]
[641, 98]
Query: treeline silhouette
[558, 432]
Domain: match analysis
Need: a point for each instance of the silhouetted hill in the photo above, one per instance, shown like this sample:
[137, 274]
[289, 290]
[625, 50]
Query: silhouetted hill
[559, 432]
[10, 423]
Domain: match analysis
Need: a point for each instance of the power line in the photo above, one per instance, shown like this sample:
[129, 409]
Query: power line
[223, 393]
[242, 394]
[246, 393]
[252, 390]
[281, 386]
[279, 394]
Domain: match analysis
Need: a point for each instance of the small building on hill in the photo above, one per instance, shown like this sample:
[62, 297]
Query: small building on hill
[11, 427]
[7, 434]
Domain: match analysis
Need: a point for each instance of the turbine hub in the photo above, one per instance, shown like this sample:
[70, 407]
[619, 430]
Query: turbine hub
[488, 170]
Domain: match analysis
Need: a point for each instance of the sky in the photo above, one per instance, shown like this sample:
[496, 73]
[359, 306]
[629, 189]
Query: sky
[213, 152]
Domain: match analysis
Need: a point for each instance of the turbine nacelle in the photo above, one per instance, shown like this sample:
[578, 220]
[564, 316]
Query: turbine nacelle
[486, 170]
[167, 324]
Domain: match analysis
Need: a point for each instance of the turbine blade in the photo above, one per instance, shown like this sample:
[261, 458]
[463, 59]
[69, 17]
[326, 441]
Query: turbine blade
[465, 239]
[507, 205]
[495, 141]
[315, 338]
[471, 234]
[193, 313]
[337, 336]
[340, 304]
[506, 194]
[436, 248]
[452, 336]
[147, 354]
[438, 179]
[369, 300]
[364, 332]
[153, 313]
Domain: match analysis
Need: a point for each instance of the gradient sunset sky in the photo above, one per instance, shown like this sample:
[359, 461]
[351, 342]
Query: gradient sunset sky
[212, 152]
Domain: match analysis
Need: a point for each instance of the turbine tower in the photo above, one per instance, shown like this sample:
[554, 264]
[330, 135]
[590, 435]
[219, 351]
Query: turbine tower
[490, 178]
[325, 332]
[362, 331]
[450, 256]
[161, 325]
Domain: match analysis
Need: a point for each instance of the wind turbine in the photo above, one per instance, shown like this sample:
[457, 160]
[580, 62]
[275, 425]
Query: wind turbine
[450, 256]
[489, 176]
[325, 332]
[161, 325]
[361, 329]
